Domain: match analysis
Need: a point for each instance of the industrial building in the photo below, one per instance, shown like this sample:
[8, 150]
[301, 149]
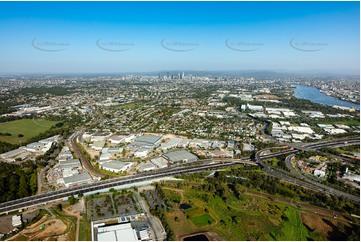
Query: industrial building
[147, 167]
[77, 179]
[116, 165]
[146, 141]
[142, 152]
[32, 149]
[159, 162]
[180, 156]
[10, 156]
[172, 143]
[118, 232]
[117, 139]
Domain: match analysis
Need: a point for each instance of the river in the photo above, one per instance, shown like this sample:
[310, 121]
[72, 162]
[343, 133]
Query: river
[314, 95]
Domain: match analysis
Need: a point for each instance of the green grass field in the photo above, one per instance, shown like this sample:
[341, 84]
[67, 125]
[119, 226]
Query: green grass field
[172, 195]
[84, 230]
[202, 220]
[294, 228]
[130, 106]
[27, 127]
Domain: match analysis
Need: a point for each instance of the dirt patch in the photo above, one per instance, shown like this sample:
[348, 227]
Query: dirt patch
[52, 228]
[266, 96]
[213, 236]
[315, 222]
[6, 224]
[37, 224]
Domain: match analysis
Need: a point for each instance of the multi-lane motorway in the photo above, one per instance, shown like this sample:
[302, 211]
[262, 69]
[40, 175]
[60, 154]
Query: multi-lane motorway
[105, 184]
[301, 180]
[52, 196]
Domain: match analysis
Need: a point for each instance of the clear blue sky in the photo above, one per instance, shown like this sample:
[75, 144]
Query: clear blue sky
[213, 33]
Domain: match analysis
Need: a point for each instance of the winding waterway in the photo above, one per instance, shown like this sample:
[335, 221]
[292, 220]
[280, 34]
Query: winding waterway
[314, 95]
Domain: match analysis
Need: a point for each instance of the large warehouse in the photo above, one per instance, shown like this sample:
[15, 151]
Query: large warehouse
[180, 156]
[146, 141]
[119, 232]
[116, 166]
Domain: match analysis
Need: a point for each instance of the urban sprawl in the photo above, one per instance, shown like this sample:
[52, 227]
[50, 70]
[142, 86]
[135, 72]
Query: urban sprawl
[149, 157]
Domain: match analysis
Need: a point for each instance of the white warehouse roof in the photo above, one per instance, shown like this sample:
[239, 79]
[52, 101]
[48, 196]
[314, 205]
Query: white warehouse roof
[119, 232]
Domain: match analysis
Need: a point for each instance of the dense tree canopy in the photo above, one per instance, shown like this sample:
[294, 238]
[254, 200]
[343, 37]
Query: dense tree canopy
[17, 181]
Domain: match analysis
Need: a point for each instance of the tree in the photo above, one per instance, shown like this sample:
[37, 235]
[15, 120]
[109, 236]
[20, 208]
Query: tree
[23, 186]
[72, 200]
[60, 207]
[33, 182]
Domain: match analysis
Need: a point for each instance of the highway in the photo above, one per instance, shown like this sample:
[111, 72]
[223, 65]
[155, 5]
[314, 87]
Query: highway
[105, 184]
[300, 179]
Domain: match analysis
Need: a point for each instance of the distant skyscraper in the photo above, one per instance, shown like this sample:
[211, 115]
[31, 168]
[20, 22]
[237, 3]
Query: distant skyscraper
[182, 76]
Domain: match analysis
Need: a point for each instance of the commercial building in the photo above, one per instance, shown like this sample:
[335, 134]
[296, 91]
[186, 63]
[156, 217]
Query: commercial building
[180, 156]
[118, 232]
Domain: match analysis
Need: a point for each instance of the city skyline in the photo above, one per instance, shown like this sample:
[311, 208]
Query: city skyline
[119, 37]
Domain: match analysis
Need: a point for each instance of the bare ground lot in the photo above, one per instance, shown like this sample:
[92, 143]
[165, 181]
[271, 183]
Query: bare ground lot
[54, 229]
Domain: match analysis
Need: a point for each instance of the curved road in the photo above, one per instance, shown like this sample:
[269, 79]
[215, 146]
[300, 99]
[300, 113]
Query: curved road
[302, 180]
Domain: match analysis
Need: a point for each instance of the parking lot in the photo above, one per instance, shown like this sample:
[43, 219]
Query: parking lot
[110, 206]
[153, 199]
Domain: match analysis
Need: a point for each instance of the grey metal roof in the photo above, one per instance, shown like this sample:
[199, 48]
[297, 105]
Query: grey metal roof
[13, 153]
[146, 140]
[180, 155]
[115, 164]
[79, 178]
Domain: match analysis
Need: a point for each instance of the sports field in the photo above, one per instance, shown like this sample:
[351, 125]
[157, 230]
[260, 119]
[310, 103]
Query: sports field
[10, 131]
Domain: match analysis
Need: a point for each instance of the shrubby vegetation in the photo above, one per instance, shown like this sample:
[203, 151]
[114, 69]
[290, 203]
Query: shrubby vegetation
[257, 180]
